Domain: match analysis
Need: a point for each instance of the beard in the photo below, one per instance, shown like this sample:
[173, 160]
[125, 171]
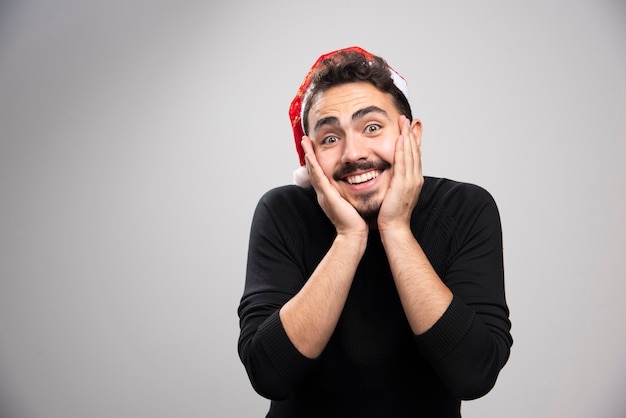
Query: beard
[367, 207]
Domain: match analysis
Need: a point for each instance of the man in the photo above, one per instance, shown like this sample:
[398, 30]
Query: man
[376, 292]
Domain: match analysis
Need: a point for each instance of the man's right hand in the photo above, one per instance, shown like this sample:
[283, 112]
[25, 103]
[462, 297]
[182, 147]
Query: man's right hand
[311, 315]
[341, 213]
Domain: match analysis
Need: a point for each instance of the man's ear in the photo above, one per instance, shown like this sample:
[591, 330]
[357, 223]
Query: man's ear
[416, 129]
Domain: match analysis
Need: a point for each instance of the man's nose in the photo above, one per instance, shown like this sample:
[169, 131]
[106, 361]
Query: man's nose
[355, 149]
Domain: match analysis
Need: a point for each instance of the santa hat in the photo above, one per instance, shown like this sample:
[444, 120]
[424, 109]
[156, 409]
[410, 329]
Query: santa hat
[300, 175]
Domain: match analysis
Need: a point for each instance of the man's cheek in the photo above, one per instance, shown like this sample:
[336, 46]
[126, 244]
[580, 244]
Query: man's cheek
[389, 152]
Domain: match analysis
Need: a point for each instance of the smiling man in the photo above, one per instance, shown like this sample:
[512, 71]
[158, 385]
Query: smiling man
[371, 290]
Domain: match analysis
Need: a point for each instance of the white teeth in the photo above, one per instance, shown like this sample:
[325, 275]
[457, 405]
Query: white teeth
[363, 177]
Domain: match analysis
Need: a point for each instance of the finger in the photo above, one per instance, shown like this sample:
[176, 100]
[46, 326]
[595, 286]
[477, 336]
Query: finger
[406, 157]
[307, 145]
[417, 149]
[399, 163]
[410, 150]
[311, 162]
[319, 181]
[309, 156]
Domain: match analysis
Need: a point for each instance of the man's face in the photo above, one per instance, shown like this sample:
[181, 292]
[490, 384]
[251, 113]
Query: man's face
[354, 128]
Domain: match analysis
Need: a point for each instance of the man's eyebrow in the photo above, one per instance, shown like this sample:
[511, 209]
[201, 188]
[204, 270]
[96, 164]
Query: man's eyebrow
[328, 120]
[361, 113]
[333, 121]
[366, 110]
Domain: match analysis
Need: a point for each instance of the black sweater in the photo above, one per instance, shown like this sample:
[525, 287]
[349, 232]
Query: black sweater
[374, 365]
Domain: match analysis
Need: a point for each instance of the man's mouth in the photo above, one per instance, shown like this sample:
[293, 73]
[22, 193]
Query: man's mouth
[362, 178]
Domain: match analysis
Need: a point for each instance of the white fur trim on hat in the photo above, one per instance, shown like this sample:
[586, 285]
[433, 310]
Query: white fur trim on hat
[301, 176]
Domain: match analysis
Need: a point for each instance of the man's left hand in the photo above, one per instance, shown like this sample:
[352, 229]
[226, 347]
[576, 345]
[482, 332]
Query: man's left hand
[407, 179]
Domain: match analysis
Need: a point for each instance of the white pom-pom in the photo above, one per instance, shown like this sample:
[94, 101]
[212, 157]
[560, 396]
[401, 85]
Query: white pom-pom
[301, 177]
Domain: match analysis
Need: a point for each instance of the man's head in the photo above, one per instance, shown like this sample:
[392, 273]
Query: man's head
[349, 66]
[340, 67]
[351, 105]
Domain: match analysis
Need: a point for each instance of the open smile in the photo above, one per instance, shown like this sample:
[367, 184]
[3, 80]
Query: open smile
[362, 178]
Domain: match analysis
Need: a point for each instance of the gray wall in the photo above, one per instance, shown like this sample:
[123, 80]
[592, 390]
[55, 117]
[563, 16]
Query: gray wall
[136, 137]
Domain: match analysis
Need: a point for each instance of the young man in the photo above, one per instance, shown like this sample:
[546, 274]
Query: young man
[375, 291]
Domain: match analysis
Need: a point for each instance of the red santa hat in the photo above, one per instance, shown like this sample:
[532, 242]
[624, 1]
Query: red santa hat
[298, 104]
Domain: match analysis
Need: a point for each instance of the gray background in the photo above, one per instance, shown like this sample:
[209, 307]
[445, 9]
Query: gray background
[137, 136]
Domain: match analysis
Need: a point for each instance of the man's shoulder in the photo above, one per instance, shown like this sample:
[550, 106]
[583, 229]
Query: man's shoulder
[453, 195]
[292, 209]
[289, 200]
[441, 187]
[288, 193]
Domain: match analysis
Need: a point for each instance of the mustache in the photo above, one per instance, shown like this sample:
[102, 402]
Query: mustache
[350, 168]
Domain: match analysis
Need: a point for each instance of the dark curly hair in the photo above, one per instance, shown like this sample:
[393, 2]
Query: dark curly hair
[350, 66]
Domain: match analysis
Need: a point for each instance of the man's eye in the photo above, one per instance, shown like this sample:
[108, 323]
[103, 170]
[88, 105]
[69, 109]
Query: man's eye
[330, 140]
[372, 128]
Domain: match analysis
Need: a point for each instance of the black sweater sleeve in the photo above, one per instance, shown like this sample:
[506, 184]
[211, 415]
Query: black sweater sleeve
[471, 342]
[275, 273]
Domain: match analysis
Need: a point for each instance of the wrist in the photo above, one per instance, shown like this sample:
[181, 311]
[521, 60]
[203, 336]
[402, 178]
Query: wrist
[395, 227]
[399, 231]
[354, 241]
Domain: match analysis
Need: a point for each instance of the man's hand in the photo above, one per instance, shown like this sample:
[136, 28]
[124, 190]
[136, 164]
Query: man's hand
[310, 317]
[342, 214]
[407, 180]
[423, 294]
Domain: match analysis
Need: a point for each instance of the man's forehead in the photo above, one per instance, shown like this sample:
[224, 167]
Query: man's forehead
[348, 99]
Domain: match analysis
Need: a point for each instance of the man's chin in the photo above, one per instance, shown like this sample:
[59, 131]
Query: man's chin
[368, 209]
[366, 204]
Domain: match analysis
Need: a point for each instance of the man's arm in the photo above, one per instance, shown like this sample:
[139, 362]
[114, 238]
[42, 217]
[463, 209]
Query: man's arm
[286, 319]
[423, 294]
[461, 325]
[311, 316]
